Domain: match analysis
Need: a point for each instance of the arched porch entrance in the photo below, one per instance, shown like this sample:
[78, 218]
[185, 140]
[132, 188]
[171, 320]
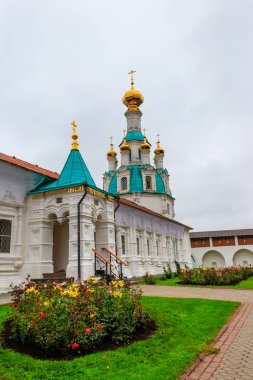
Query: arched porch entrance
[213, 259]
[60, 252]
[243, 257]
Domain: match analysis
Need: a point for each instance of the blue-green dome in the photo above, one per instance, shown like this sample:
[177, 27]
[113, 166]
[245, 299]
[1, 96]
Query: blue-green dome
[134, 135]
[136, 181]
[113, 185]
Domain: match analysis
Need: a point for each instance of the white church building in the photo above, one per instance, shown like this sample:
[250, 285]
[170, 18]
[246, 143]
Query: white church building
[64, 225]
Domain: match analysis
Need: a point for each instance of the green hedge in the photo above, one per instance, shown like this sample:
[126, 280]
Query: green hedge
[215, 276]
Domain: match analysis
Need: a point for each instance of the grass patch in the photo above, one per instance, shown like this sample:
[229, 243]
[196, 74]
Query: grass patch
[186, 327]
[244, 284]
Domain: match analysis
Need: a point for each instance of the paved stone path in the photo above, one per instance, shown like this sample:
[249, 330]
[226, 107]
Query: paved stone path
[234, 343]
[237, 362]
[238, 295]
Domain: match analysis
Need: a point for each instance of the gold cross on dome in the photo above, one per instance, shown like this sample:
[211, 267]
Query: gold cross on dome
[132, 77]
[74, 124]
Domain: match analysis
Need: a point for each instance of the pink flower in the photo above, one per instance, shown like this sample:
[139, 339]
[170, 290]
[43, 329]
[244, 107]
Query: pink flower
[87, 330]
[100, 326]
[75, 345]
[43, 315]
[109, 292]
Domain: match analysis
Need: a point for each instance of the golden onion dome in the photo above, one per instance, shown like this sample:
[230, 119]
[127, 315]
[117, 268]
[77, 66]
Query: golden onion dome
[111, 152]
[132, 98]
[124, 147]
[145, 145]
[158, 149]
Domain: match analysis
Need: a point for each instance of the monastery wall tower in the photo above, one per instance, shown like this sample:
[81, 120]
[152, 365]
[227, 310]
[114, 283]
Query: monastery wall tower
[136, 179]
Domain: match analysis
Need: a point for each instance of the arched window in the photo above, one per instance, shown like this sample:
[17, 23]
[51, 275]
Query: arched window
[148, 182]
[139, 154]
[124, 183]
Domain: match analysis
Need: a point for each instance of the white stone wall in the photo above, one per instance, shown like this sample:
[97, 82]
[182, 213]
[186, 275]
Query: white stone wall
[155, 202]
[160, 242]
[223, 255]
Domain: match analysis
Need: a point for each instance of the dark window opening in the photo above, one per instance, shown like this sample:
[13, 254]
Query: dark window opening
[148, 182]
[124, 183]
[5, 236]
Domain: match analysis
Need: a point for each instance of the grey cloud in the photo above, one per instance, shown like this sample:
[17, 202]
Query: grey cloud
[62, 60]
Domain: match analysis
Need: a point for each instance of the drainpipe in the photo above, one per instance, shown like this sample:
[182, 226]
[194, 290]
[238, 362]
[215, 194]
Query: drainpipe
[79, 230]
[115, 210]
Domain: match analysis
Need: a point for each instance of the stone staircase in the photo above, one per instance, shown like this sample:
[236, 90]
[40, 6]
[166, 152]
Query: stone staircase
[60, 275]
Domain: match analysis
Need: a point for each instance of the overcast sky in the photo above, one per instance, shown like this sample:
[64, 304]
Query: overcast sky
[64, 60]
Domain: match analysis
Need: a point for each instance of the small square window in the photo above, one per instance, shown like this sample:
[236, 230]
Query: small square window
[95, 202]
[59, 200]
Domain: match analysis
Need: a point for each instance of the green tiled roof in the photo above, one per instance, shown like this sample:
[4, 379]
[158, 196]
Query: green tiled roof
[113, 185]
[74, 173]
[160, 188]
[134, 135]
[136, 182]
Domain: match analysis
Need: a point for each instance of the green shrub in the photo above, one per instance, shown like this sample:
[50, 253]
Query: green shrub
[167, 272]
[149, 279]
[67, 317]
[215, 276]
[178, 268]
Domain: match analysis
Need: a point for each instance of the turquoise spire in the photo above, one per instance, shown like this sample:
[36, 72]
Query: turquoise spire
[74, 172]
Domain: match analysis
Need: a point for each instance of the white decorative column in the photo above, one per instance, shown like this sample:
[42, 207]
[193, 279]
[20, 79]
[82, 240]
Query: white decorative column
[18, 250]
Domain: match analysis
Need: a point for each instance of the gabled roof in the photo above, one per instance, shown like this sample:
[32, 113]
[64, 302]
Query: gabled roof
[26, 165]
[74, 173]
[126, 202]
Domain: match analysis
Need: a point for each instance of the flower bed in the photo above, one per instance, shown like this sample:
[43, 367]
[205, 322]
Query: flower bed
[75, 317]
[215, 276]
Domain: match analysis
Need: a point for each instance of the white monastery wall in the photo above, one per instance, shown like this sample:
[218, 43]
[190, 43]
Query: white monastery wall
[147, 243]
[223, 256]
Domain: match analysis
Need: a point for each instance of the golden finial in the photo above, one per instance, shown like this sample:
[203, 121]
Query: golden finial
[124, 146]
[145, 145]
[132, 98]
[111, 152]
[74, 144]
[158, 149]
[132, 78]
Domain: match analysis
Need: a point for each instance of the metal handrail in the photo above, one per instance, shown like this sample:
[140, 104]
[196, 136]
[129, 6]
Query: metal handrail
[102, 257]
[116, 257]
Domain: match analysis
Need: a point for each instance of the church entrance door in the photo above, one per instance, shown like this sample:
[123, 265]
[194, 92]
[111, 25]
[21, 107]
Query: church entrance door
[61, 246]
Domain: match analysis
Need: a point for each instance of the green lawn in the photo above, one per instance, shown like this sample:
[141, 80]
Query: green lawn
[185, 327]
[245, 284]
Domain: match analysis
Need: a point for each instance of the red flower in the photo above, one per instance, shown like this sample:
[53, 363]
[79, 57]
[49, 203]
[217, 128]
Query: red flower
[75, 345]
[34, 322]
[16, 305]
[11, 304]
[100, 326]
[43, 315]
[87, 330]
